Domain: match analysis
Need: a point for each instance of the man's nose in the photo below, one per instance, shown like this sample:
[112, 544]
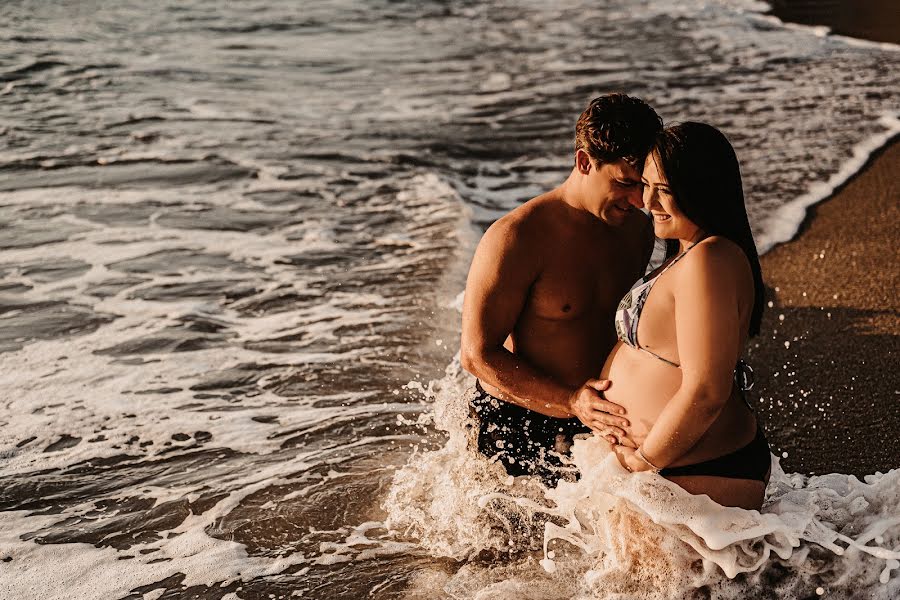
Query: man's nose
[635, 197]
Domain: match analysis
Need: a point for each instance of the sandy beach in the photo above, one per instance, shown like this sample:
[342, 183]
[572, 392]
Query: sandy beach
[877, 20]
[826, 362]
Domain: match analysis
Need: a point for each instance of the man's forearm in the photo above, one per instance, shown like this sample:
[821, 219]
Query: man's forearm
[521, 383]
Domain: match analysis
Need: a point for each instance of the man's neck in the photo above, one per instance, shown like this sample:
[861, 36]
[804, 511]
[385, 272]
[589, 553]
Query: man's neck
[570, 192]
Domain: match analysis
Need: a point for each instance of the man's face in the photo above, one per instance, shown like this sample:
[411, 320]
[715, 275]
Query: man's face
[613, 191]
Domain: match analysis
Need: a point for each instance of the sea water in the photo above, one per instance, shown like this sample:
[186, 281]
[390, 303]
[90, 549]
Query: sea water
[234, 239]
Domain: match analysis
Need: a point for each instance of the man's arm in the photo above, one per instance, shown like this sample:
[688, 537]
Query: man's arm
[505, 266]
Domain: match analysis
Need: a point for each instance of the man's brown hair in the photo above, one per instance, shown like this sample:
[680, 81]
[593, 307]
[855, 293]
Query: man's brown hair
[616, 126]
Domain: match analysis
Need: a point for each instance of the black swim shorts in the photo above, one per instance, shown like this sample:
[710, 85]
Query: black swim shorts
[525, 442]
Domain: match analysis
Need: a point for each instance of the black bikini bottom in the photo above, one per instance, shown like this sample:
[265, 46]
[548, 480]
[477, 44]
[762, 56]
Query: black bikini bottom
[524, 441]
[750, 462]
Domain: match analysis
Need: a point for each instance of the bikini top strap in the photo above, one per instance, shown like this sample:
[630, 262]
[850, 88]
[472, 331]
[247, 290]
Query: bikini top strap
[677, 258]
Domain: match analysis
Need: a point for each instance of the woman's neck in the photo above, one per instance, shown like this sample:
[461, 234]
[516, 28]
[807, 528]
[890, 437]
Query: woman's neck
[684, 244]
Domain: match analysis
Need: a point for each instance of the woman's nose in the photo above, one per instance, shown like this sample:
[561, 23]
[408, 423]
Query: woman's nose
[649, 197]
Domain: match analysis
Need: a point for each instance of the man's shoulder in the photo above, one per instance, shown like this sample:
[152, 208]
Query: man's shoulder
[511, 243]
[528, 219]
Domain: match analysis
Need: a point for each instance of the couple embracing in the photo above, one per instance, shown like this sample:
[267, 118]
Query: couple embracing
[568, 331]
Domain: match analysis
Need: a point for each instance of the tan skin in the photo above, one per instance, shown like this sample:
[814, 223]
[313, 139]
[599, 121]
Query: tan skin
[542, 290]
[697, 315]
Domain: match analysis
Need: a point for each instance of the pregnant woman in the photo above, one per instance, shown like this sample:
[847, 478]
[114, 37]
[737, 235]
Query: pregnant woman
[676, 368]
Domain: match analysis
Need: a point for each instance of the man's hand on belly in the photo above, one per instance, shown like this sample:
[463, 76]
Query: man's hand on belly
[602, 416]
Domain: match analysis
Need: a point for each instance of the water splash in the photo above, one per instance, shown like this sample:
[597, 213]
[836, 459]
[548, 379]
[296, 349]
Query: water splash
[613, 534]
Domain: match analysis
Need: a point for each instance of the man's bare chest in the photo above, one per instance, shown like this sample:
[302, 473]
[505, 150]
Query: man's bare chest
[579, 288]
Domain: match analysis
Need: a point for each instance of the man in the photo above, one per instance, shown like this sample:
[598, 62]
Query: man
[542, 290]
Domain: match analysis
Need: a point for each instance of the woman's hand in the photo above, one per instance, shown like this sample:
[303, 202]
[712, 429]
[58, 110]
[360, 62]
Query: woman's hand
[629, 460]
[604, 417]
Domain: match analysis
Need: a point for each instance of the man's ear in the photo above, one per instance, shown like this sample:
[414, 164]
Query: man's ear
[583, 162]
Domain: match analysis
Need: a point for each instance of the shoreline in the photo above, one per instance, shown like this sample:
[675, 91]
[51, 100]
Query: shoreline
[872, 20]
[827, 382]
[791, 219]
[826, 358]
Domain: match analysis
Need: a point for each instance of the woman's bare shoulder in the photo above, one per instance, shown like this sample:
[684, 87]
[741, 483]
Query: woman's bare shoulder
[716, 256]
[716, 248]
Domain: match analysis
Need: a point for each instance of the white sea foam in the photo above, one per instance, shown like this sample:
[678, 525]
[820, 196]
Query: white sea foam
[613, 534]
[86, 571]
[782, 224]
[64, 389]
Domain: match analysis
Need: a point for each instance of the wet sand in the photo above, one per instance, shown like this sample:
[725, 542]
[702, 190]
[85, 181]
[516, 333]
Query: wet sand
[830, 347]
[877, 20]
[828, 386]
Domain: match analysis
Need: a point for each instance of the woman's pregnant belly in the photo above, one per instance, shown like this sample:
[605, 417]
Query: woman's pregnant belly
[644, 385]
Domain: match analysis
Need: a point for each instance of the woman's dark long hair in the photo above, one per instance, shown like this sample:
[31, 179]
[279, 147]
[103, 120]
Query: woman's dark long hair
[703, 173]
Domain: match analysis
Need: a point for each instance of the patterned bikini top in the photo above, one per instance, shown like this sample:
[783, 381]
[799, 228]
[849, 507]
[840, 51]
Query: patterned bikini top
[628, 315]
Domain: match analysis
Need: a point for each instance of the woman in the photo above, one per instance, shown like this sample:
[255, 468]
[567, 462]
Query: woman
[676, 367]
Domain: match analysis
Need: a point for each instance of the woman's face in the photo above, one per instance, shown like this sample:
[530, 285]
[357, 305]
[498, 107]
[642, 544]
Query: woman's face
[668, 221]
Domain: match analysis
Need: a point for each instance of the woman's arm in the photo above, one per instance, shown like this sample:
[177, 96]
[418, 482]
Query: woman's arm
[708, 296]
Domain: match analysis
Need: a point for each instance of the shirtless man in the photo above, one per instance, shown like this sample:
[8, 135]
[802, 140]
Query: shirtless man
[544, 284]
